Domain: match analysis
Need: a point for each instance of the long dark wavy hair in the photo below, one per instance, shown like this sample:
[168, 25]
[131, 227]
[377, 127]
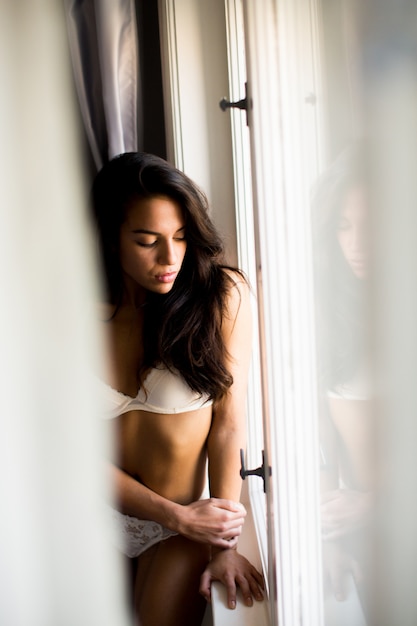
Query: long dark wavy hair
[182, 329]
[340, 296]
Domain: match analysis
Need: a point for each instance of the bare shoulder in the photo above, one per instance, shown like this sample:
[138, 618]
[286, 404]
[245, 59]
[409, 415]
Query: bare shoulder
[238, 292]
[237, 325]
[237, 319]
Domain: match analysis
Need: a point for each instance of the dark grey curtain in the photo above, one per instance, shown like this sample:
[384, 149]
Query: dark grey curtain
[104, 50]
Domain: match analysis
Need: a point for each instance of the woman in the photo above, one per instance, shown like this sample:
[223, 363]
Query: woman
[179, 328]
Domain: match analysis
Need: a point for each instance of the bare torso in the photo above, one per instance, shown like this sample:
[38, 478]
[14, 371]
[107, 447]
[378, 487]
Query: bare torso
[165, 452]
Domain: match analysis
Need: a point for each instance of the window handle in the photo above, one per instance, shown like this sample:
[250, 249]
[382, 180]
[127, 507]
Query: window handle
[243, 104]
[259, 471]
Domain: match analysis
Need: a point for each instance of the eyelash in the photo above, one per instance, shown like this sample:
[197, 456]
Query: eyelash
[146, 245]
[151, 245]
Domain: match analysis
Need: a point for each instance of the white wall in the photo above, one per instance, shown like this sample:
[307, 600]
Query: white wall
[194, 60]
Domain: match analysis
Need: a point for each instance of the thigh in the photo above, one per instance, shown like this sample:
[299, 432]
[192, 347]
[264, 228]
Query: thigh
[167, 583]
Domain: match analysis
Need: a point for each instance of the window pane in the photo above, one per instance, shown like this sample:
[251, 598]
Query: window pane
[333, 128]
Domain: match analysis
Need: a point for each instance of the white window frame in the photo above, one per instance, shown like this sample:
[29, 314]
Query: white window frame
[286, 143]
[246, 255]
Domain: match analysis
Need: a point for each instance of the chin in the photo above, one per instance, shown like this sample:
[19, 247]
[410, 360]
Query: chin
[162, 288]
[360, 270]
[360, 274]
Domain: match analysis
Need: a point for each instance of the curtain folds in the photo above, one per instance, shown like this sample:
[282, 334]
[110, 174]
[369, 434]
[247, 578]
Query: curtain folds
[104, 49]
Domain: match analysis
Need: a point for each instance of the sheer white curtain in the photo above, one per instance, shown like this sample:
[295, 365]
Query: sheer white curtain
[56, 566]
[104, 51]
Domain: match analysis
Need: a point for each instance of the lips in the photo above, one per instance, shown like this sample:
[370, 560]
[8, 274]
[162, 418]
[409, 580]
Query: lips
[168, 277]
[359, 267]
[358, 262]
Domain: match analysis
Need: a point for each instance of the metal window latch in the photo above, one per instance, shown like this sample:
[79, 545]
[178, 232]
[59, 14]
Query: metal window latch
[243, 104]
[259, 471]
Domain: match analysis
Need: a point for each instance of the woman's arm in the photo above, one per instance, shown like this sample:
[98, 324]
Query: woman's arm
[213, 521]
[227, 436]
[228, 431]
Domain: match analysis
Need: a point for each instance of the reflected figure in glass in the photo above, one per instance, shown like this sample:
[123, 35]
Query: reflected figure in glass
[342, 273]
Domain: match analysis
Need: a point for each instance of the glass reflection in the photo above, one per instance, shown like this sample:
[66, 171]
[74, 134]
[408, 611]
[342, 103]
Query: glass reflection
[342, 274]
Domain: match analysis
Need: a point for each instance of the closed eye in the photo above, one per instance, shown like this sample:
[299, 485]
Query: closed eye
[344, 224]
[146, 245]
[178, 236]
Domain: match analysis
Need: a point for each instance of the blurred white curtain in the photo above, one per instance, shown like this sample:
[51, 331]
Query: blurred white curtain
[56, 566]
[104, 51]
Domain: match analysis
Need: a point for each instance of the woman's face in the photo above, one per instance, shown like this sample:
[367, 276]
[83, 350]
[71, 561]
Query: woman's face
[352, 232]
[152, 244]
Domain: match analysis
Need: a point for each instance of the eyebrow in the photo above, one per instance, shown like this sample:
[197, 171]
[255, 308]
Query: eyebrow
[144, 231]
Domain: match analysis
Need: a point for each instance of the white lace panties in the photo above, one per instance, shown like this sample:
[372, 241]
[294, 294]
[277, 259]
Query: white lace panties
[133, 536]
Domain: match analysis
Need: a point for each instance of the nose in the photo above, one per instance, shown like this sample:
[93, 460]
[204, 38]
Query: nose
[357, 239]
[167, 254]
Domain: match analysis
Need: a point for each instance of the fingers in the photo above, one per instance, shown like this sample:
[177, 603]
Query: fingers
[236, 573]
[205, 586]
[336, 583]
[229, 525]
[258, 584]
[231, 592]
[212, 521]
[252, 587]
[235, 532]
[339, 579]
[339, 567]
[226, 539]
[229, 530]
[219, 542]
[229, 505]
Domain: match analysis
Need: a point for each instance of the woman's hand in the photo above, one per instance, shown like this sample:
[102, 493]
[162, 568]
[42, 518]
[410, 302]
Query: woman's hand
[343, 511]
[215, 521]
[233, 570]
[337, 566]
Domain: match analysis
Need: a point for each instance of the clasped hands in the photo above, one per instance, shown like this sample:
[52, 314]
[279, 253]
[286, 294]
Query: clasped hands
[343, 511]
[218, 522]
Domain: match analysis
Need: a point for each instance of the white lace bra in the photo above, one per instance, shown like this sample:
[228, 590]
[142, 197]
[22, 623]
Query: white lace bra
[163, 392]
